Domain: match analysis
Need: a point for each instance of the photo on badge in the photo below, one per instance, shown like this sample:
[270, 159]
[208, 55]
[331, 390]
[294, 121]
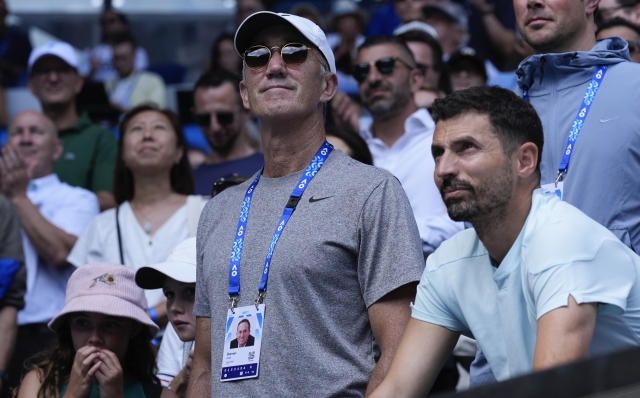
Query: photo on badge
[243, 339]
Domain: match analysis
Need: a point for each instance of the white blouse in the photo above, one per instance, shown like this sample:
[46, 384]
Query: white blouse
[99, 242]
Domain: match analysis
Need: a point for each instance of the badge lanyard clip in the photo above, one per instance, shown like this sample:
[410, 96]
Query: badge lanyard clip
[560, 177]
[236, 253]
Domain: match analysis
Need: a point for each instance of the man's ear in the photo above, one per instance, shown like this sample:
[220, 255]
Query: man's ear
[78, 85]
[416, 80]
[58, 149]
[590, 6]
[244, 94]
[330, 87]
[527, 159]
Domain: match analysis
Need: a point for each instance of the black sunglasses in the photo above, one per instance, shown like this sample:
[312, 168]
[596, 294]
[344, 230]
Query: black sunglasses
[383, 65]
[224, 118]
[258, 57]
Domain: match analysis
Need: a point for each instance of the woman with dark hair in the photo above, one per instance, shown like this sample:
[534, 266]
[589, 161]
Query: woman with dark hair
[103, 341]
[350, 143]
[224, 55]
[152, 185]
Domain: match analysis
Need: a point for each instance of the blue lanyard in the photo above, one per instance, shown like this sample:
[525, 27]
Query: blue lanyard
[236, 254]
[585, 106]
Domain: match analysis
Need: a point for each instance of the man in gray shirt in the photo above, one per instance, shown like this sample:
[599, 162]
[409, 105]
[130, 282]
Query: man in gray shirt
[345, 266]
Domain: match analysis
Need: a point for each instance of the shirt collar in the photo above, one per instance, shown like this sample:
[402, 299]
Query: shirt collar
[419, 122]
[82, 123]
[42, 183]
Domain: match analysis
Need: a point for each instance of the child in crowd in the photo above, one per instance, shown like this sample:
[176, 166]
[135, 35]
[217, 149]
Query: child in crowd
[104, 341]
[177, 278]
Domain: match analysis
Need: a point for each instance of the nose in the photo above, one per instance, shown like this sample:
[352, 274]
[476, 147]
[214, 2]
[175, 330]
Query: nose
[95, 340]
[175, 307]
[446, 166]
[276, 64]
[214, 125]
[53, 75]
[374, 75]
[26, 139]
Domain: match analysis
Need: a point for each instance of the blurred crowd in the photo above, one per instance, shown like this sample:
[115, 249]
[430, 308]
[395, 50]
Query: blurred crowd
[104, 172]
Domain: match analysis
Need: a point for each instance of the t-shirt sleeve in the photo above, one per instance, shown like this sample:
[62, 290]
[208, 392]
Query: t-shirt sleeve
[105, 163]
[169, 356]
[75, 213]
[390, 254]
[607, 279]
[89, 245]
[430, 304]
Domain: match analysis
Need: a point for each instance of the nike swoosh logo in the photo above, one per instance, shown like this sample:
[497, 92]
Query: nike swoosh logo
[312, 199]
[602, 120]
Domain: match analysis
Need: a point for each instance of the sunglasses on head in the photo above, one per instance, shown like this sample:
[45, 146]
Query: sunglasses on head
[383, 65]
[224, 118]
[292, 54]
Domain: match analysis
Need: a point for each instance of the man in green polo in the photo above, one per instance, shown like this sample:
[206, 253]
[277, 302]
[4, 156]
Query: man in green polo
[90, 151]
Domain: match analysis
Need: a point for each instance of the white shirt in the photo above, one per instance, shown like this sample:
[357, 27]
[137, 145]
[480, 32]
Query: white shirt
[172, 356]
[70, 209]
[103, 53]
[99, 243]
[559, 252]
[410, 160]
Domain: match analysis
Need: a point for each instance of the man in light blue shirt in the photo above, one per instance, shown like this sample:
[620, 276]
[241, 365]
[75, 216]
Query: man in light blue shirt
[536, 282]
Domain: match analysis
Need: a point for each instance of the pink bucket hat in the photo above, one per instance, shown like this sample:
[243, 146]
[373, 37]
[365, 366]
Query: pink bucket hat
[107, 289]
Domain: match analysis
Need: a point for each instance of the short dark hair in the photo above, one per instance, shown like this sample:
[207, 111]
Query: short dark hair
[513, 119]
[243, 321]
[615, 22]
[125, 37]
[216, 78]
[426, 38]
[181, 176]
[379, 40]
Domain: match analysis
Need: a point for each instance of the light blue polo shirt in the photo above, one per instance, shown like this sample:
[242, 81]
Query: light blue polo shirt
[559, 252]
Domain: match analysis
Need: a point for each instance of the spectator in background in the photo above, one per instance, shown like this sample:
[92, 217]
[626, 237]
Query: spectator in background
[625, 9]
[52, 214]
[96, 63]
[89, 151]
[347, 23]
[624, 29]
[350, 143]
[103, 346]
[13, 284]
[401, 134]
[223, 119]
[155, 211]
[15, 48]
[450, 21]
[246, 8]
[224, 55]
[410, 10]
[309, 11]
[466, 69]
[133, 87]
[177, 279]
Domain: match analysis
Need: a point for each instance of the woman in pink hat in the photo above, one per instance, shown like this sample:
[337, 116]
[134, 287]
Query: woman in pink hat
[104, 341]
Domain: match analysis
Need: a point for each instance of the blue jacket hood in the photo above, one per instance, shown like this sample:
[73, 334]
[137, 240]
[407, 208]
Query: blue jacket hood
[569, 65]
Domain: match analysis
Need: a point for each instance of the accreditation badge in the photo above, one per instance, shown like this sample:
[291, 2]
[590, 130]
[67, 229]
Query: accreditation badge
[554, 189]
[242, 342]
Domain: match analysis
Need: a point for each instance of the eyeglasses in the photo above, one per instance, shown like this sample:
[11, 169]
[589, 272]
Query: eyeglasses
[383, 65]
[224, 118]
[423, 68]
[293, 55]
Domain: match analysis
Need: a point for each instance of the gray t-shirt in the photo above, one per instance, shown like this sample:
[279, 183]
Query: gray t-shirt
[336, 257]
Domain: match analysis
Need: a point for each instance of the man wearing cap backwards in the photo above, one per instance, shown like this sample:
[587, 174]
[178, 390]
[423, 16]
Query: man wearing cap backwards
[177, 279]
[52, 215]
[341, 272]
[89, 151]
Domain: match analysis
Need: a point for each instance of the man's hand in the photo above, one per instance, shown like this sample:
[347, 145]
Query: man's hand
[346, 113]
[14, 174]
[422, 352]
[85, 365]
[564, 335]
[109, 376]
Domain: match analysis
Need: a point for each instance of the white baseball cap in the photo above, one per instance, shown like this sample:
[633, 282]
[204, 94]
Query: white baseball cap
[416, 25]
[180, 265]
[254, 23]
[60, 49]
